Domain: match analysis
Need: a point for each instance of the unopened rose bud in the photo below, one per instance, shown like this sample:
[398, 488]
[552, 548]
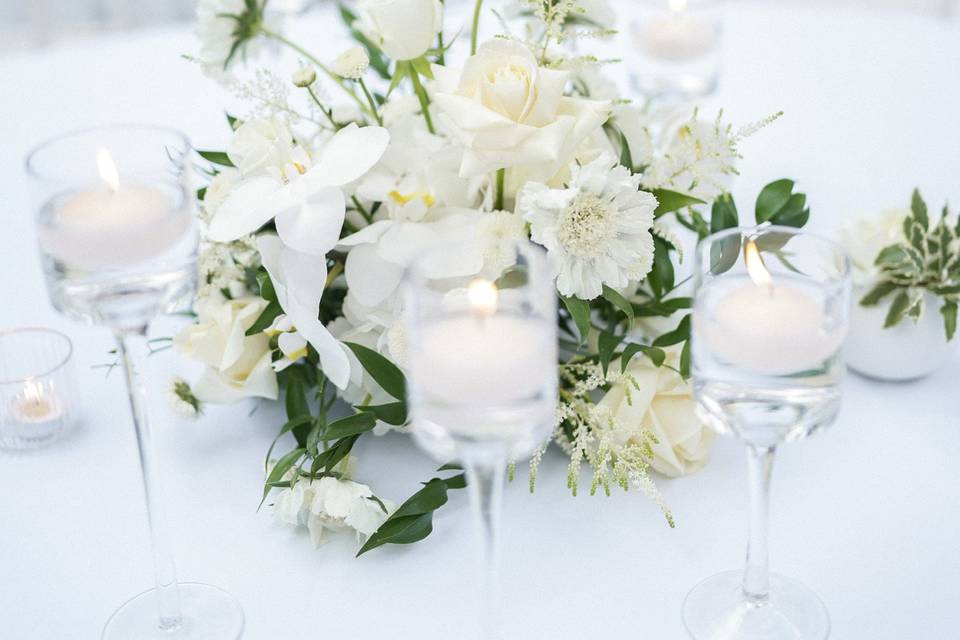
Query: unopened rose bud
[352, 63]
[304, 77]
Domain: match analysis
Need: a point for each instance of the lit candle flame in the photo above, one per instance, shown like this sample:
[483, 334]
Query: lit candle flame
[755, 267]
[32, 392]
[678, 6]
[482, 295]
[108, 170]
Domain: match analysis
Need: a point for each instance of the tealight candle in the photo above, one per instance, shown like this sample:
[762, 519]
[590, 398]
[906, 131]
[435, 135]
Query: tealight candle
[765, 326]
[677, 37]
[35, 405]
[113, 225]
[484, 357]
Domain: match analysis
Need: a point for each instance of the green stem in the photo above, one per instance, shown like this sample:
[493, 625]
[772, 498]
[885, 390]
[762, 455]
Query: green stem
[363, 211]
[309, 56]
[498, 200]
[373, 104]
[476, 24]
[424, 100]
[329, 113]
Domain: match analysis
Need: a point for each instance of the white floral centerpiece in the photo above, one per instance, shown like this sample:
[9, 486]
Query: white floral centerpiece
[346, 169]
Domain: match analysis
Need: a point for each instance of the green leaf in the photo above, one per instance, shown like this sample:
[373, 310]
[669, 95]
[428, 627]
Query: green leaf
[772, 198]
[625, 158]
[266, 318]
[580, 312]
[657, 356]
[608, 343]
[670, 201]
[723, 213]
[616, 299]
[328, 459]
[685, 360]
[283, 465]
[350, 426]
[661, 276]
[394, 413]
[422, 66]
[794, 213]
[216, 157]
[451, 466]
[400, 71]
[231, 120]
[286, 428]
[878, 293]
[898, 310]
[267, 292]
[678, 335]
[404, 530]
[384, 372]
[949, 312]
[296, 398]
[919, 209]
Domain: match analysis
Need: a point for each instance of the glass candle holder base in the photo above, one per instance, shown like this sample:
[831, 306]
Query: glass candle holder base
[675, 86]
[209, 613]
[716, 609]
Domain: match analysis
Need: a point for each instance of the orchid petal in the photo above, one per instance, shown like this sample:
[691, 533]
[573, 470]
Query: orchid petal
[349, 154]
[313, 226]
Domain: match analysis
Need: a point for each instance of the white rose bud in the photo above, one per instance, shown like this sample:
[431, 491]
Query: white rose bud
[304, 77]
[403, 29]
[352, 63]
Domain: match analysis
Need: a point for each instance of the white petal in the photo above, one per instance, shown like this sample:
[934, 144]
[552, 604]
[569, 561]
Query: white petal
[370, 233]
[246, 209]
[370, 278]
[348, 155]
[313, 226]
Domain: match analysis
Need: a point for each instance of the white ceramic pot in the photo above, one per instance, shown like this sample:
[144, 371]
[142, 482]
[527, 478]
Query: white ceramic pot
[909, 350]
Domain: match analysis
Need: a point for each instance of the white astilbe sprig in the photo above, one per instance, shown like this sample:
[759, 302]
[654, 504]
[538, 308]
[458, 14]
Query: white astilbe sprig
[268, 95]
[699, 156]
[226, 267]
[587, 432]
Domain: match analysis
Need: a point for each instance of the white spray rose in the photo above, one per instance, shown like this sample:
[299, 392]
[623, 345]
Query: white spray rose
[508, 111]
[658, 399]
[238, 365]
[865, 237]
[403, 29]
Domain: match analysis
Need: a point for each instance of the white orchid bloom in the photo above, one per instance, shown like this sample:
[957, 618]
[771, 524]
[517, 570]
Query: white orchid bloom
[299, 278]
[308, 205]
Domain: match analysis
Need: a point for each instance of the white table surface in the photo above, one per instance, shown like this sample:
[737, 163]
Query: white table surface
[866, 514]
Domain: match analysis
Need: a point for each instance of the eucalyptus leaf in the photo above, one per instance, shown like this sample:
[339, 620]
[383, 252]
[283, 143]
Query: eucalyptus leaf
[616, 299]
[661, 276]
[283, 465]
[608, 343]
[350, 426]
[678, 335]
[772, 199]
[394, 413]
[657, 356]
[669, 201]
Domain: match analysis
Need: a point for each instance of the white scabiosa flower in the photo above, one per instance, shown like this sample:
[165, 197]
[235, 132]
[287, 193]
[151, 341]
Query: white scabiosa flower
[352, 63]
[596, 231]
[182, 400]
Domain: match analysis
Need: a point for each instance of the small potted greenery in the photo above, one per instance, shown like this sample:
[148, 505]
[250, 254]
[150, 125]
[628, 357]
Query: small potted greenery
[905, 312]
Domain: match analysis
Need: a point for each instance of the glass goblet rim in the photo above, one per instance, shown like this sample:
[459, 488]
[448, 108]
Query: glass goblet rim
[30, 160]
[62, 361]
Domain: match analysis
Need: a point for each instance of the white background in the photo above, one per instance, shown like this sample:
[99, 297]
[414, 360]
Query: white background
[866, 513]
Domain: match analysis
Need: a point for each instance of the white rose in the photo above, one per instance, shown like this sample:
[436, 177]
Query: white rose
[662, 402]
[258, 144]
[238, 366]
[508, 112]
[403, 29]
[865, 237]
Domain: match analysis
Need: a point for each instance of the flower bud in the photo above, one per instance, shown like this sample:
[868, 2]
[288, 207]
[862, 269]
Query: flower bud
[304, 77]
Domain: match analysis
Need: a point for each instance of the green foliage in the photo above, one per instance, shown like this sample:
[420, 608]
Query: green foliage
[216, 157]
[384, 372]
[413, 520]
[378, 61]
[926, 260]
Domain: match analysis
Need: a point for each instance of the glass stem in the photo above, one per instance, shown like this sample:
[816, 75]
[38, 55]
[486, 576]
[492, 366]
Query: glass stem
[485, 484]
[756, 576]
[168, 596]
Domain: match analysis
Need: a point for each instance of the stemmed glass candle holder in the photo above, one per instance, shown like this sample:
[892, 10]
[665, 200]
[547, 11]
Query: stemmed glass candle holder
[118, 242]
[483, 382]
[37, 394]
[770, 315]
[677, 46]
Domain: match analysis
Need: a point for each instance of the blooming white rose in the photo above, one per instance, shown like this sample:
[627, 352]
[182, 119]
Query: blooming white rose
[659, 400]
[238, 365]
[403, 29]
[596, 231]
[865, 237]
[508, 111]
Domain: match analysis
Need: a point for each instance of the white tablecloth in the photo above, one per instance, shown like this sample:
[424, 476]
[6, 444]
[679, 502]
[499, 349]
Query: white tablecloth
[866, 514]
